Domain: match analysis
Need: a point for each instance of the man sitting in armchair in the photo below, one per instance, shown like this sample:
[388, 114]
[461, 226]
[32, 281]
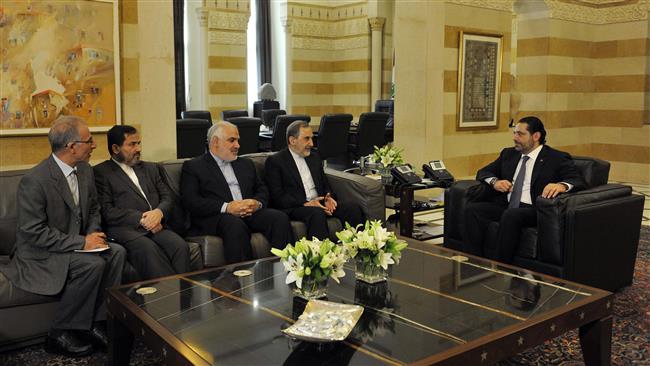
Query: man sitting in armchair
[518, 176]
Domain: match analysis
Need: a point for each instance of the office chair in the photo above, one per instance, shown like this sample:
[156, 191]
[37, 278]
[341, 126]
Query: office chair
[262, 105]
[333, 136]
[191, 137]
[197, 115]
[371, 132]
[233, 113]
[249, 133]
[279, 140]
[387, 105]
[268, 116]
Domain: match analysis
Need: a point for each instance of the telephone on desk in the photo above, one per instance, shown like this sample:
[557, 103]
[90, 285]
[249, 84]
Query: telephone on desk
[436, 171]
[404, 174]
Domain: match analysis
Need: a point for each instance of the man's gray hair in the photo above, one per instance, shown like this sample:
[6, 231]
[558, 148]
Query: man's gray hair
[294, 128]
[217, 129]
[64, 130]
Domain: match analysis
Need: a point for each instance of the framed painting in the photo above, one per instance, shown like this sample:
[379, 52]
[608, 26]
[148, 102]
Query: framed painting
[479, 80]
[59, 58]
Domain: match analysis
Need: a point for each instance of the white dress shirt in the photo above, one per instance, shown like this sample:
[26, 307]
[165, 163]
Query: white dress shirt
[134, 178]
[305, 174]
[525, 191]
[70, 175]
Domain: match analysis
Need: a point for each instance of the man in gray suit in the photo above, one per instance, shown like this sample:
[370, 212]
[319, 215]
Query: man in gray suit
[58, 215]
[135, 202]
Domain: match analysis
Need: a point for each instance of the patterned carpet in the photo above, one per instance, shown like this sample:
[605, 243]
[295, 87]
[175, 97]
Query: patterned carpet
[630, 343]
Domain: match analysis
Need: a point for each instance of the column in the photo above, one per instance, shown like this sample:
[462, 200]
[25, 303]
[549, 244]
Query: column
[376, 28]
[200, 94]
[286, 24]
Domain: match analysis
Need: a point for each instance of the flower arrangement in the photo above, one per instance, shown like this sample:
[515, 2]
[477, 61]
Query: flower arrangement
[310, 263]
[373, 247]
[387, 156]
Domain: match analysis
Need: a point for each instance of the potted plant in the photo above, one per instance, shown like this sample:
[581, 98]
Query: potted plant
[373, 247]
[310, 263]
[386, 156]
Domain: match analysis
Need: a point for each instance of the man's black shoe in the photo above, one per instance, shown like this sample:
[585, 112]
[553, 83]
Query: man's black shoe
[98, 335]
[66, 342]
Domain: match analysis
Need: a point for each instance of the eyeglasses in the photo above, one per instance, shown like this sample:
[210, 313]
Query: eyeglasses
[89, 141]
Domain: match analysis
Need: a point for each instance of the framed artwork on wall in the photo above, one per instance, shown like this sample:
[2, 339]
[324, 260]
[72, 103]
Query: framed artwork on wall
[59, 58]
[479, 80]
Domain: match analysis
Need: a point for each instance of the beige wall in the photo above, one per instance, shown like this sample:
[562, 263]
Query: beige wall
[147, 89]
[587, 82]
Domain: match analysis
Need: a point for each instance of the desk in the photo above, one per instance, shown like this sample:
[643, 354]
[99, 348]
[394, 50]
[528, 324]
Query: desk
[437, 307]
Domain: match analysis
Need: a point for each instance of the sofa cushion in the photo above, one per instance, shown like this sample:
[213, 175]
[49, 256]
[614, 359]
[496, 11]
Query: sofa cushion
[9, 182]
[300, 229]
[11, 295]
[211, 248]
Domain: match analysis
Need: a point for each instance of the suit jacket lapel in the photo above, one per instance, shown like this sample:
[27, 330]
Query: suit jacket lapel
[240, 179]
[539, 164]
[213, 167]
[61, 184]
[142, 179]
[511, 165]
[125, 178]
[314, 169]
[293, 168]
[83, 196]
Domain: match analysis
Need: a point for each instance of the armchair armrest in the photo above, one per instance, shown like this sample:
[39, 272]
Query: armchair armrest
[552, 217]
[456, 198]
[369, 193]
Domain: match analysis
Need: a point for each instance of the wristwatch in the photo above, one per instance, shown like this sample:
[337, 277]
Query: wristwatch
[493, 180]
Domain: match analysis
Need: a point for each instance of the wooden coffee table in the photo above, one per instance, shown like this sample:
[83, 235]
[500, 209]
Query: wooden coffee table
[438, 307]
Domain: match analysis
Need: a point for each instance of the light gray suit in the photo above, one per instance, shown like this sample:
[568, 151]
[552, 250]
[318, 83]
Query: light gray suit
[50, 228]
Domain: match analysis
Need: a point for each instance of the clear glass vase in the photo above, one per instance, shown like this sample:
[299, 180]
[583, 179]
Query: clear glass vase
[311, 289]
[368, 271]
[386, 176]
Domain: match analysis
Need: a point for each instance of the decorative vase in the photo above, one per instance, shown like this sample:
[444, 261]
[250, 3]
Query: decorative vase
[386, 176]
[368, 271]
[311, 289]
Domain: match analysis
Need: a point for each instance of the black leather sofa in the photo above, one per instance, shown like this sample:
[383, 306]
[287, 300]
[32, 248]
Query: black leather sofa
[26, 317]
[590, 237]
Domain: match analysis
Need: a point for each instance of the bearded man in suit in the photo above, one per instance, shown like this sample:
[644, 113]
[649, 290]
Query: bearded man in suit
[299, 186]
[135, 201]
[226, 197]
[521, 174]
[58, 215]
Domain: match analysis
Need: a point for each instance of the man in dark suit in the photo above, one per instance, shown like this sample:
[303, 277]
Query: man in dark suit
[225, 197]
[299, 187]
[58, 215]
[135, 201]
[520, 174]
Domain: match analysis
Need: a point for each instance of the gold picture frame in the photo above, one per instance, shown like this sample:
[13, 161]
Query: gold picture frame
[480, 60]
[59, 58]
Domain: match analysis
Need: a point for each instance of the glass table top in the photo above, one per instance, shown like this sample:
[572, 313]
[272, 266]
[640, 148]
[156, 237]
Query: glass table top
[433, 300]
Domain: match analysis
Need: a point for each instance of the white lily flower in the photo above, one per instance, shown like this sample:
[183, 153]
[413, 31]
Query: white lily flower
[385, 259]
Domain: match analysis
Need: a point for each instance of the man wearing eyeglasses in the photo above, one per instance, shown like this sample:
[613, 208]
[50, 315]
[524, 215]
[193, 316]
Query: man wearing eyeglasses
[58, 215]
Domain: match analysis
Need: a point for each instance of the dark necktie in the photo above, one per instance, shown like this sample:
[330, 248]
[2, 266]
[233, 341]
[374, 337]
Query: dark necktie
[515, 197]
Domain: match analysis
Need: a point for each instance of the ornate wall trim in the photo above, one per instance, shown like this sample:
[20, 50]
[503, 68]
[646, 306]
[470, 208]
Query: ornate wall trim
[606, 13]
[228, 20]
[309, 43]
[329, 13]
[502, 5]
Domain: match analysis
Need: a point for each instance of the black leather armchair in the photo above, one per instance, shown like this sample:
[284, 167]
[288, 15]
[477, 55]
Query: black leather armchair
[590, 237]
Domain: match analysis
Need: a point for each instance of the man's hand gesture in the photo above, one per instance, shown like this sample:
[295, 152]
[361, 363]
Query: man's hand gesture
[95, 240]
[151, 219]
